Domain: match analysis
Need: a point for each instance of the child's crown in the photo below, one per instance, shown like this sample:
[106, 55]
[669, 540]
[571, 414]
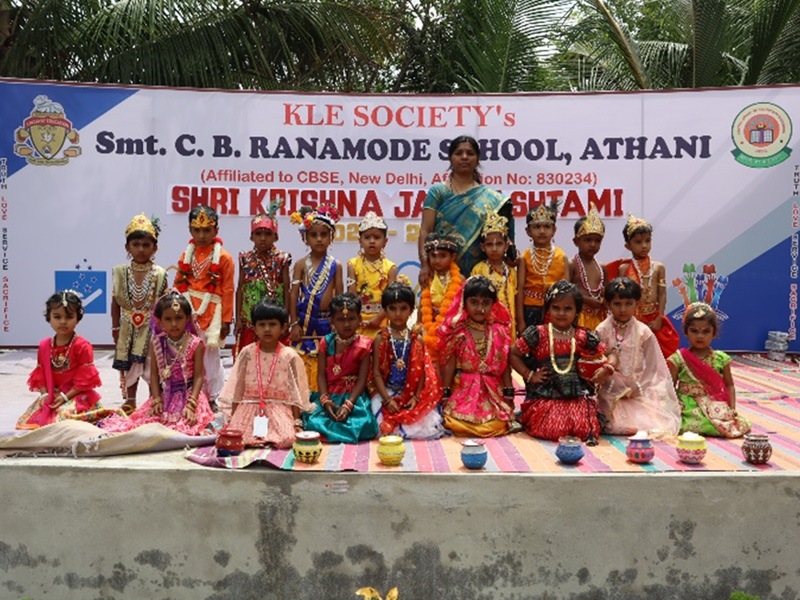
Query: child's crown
[202, 220]
[495, 224]
[592, 224]
[635, 223]
[141, 223]
[543, 214]
[372, 221]
[441, 243]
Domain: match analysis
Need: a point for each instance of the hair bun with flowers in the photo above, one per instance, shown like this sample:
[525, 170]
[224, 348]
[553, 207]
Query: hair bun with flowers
[326, 214]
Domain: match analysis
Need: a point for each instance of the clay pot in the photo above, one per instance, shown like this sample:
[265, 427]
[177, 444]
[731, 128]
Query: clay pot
[691, 448]
[474, 454]
[569, 450]
[230, 442]
[588, 367]
[307, 446]
[640, 450]
[391, 450]
[756, 448]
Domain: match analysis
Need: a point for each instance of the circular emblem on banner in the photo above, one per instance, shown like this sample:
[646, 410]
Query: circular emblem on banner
[761, 133]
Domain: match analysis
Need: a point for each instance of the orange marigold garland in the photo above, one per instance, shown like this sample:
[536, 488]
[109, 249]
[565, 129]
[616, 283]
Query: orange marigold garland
[426, 309]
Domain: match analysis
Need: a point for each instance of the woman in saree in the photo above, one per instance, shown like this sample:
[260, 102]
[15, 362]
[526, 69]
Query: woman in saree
[460, 207]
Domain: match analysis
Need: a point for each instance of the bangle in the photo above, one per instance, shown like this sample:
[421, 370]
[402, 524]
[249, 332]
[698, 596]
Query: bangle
[157, 400]
[115, 328]
[293, 324]
[298, 423]
[348, 404]
[530, 375]
[508, 391]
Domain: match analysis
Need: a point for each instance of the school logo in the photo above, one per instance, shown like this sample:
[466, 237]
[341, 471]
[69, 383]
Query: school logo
[90, 285]
[705, 285]
[761, 133]
[43, 136]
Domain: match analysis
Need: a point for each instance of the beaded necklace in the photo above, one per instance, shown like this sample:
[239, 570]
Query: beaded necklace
[553, 362]
[594, 293]
[398, 360]
[179, 347]
[139, 293]
[60, 360]
[541, 258]
[264, 272]
[617, 338]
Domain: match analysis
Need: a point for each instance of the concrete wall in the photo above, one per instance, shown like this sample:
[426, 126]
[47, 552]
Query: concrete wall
[90, 533]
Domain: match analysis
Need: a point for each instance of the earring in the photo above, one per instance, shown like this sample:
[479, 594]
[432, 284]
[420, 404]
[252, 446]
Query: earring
[130, 256]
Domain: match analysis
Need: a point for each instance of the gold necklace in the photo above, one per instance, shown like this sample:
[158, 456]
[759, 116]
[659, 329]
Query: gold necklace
[553, 353]
[541, 258]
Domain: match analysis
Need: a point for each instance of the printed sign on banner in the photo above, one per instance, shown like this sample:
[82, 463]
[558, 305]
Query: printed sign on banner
[712, 170]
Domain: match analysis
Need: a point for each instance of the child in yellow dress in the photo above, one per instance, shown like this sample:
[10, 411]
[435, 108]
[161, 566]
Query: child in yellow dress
[540, 267]
[585, 272]
[495, 243]
[437, 297]
[370, 272]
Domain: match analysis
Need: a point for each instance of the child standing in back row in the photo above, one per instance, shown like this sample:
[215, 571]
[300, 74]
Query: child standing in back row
[316, 279]
[441, 289]
[205, 278]
[495, 243]
[263, 274]
[588, 274]
[540, 267]
[369, 273]
[136, 286]
[651, 276]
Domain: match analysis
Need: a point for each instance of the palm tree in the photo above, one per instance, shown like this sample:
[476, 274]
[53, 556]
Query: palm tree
[251, 44]
[682, 44]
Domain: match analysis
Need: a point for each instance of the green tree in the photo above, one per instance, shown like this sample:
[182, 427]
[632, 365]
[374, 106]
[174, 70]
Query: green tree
[680, 44]
[254, 44]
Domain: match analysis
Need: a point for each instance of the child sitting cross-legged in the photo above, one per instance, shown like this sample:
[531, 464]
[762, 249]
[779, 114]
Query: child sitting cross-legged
[342, 406]
[267, 390]
[407, 386]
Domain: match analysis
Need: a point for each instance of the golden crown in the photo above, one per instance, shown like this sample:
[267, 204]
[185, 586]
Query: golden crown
[141, 223]
[697, 310]
[635, 223]
[372, 221]
[542, 214]
[592, 224]
[202, 220]
[495, 224]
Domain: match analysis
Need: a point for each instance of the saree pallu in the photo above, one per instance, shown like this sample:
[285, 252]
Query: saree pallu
[463, 216]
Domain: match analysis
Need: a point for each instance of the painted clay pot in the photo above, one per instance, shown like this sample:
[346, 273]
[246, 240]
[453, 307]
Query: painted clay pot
[569, 450]
[640, 450]
[691, 448]
[474, 454]
[307, 446]
[588, 367]
[756, 448]
[391, 450]
[230, 442]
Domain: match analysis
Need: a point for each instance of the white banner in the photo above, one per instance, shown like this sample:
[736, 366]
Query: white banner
[712, 170]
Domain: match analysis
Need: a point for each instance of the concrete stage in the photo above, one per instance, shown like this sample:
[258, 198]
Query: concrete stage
[157, 526]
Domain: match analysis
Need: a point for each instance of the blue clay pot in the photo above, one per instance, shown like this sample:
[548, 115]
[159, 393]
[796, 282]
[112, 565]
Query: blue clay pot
[569, 450]
[474, 454]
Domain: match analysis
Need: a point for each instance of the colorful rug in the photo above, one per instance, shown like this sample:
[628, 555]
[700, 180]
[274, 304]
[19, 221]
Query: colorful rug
[520, 453]
[767, 379]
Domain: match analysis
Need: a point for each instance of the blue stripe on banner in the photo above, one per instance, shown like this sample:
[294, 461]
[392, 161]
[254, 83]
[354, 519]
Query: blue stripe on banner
[82, 105]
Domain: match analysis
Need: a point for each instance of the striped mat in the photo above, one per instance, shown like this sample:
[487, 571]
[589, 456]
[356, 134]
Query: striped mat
[768, 379]
[520, 453]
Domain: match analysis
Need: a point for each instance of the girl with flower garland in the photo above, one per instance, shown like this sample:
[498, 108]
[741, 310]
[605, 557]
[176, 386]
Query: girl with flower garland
[474, 338]
[136, 285]
[370, 272]
[440, 292]
[495, 244]
[65, 375]
[406, 383]
[585, 272]
[205, 278]
[342, 406]
[263, 274]
[177, 399]
[316, 279]
[557, 361]
[702, 377]
[540, 266]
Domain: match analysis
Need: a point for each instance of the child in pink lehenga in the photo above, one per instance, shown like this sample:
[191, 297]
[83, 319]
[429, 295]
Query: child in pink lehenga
[474, 340]
[268, 381]
[178, 400]
[639, 395]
